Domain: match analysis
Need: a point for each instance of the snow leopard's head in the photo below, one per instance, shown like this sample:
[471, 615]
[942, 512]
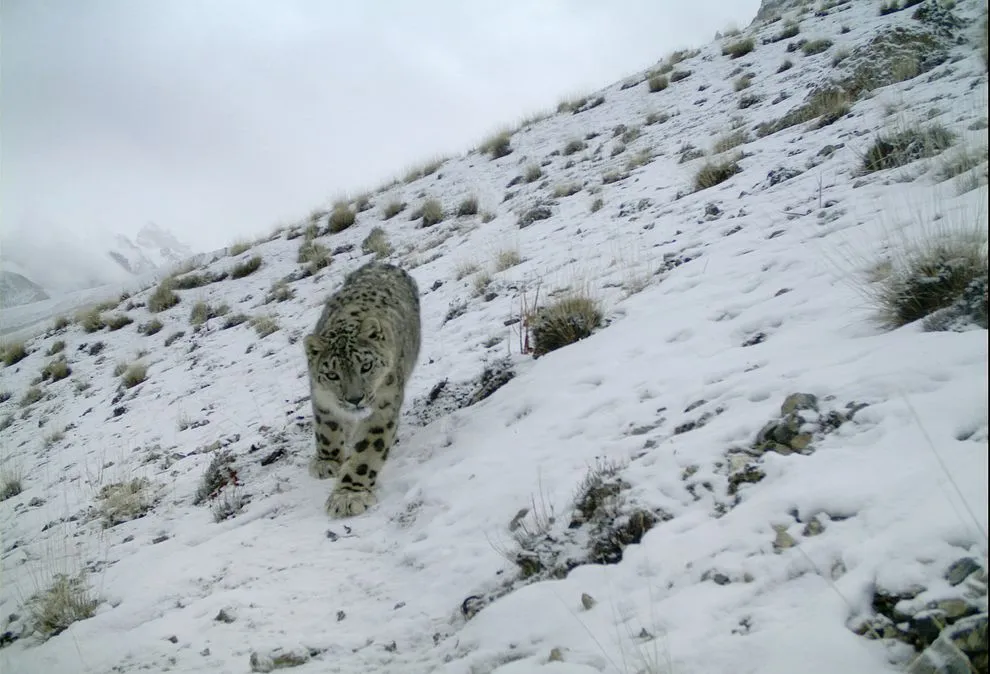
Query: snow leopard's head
[351, 364]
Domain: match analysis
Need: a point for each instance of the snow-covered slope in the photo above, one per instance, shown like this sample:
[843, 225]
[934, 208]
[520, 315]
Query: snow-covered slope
[18, 289]
[719, 303]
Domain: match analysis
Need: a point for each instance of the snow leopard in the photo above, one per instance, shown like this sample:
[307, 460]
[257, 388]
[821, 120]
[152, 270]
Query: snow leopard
[360, 356]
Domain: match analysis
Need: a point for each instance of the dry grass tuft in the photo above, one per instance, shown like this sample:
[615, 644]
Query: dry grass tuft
[341, 217]
[377, 243]
[14, 352]
[163, 297]
[246, 268]
[715, 172]
[564, 321]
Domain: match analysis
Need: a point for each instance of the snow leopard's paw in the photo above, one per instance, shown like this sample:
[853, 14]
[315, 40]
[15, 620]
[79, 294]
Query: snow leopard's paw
[346, 503]
[321, 469]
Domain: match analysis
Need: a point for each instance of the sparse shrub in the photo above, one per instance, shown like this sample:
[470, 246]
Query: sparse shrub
[432, 166]
[65, 601]
[610, 177]
[656, 118]
[134, 374]
[151, 327]
[117, 321]
[124, 501]
[464, 269]
[313, 254]
[219, 474]
[246, 268]
[5, 396]
[171, 339]
[60, 323]
[188, 281]
[280, 291]
[341, 217]
[163, 297]
[376, 242]
[790, 29]
[499, 145]
[812, 47]
[743, 82]
[889, 7]
[233, 320]
[481, 282]
[506, 258]
[566, 189]
[362, 202]
[960, 161]
[468, 206]
[432, 212]
[840, 56]
[238, 247]
[678, 75]
[31, 396]
[597, 205]
[14, 352]
[786, 65]
[715, 172]
[6, 422]
[657, 83]
[56, 347]
[91, 320]
[932, 274]
[533, 173]
[900, 148]
[393, 208]
[617, 150]
[574, 145]
[730, 140]
[56, 369]
[739, 48]
[10, 480]
[202, 312]
[562, 322]
[264, 325]
[95, 348]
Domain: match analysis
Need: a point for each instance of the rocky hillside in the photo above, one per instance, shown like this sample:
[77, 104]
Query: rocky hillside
[703, 388]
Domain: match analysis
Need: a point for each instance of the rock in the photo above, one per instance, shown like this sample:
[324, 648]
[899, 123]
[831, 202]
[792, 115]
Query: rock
[534, 214]
[780, 174]
[799, 401]
[750, 474]
[955, 608]
[959, 649]
[225, 616]
[587, 601]
[555, 655]
[814, 527]
[783, 539]
[278, 659]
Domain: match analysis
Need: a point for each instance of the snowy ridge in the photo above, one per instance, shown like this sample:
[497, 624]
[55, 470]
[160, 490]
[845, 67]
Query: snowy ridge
[719, 304]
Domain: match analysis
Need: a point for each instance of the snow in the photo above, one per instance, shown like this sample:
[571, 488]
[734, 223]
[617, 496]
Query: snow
[901, 489]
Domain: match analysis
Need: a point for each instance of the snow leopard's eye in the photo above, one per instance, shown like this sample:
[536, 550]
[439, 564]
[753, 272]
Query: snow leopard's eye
[332, 376]
[366, 367]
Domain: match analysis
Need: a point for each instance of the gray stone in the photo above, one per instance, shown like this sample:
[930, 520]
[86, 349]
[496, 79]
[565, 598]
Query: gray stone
[960, 570]
[799, 401]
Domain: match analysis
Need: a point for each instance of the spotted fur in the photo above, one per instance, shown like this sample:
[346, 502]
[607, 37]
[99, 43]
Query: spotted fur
[360, 355]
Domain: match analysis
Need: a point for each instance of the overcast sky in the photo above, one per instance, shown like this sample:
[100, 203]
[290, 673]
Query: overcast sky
[220, 118]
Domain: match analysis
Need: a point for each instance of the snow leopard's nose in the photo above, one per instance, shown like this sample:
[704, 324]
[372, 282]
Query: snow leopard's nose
[356, 400]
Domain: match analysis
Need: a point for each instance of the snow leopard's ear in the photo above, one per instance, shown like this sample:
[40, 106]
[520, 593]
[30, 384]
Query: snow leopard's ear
[372, 329]
[314, 346]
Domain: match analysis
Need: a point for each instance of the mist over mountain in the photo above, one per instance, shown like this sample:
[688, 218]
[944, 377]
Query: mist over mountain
[59, 261]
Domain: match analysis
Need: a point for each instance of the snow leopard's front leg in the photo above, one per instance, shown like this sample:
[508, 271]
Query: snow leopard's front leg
[354, 491]
[331, 435]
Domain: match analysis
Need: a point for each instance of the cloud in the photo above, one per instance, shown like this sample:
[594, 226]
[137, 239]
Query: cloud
[220, 119]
